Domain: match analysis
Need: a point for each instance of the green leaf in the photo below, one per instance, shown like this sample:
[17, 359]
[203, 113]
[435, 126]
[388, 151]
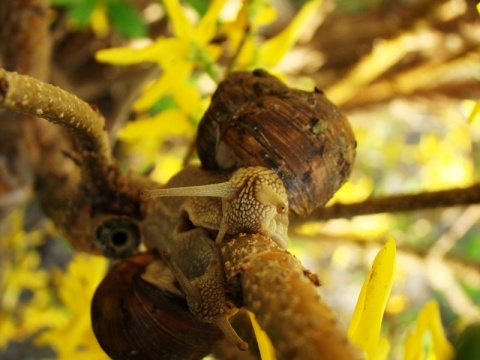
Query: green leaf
[126, 19]
[200, 6]
[164, 103]
[82, 11]
[467, 346]
[66, 3]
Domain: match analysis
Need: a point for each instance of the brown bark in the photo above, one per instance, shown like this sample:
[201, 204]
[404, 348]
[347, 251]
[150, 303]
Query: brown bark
[284, 300]
[76, 189]
[24, 47]
[396, 203]
[29, 96]
[24, 37]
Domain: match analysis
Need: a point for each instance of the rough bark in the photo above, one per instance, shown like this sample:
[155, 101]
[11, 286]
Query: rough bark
[285, 301]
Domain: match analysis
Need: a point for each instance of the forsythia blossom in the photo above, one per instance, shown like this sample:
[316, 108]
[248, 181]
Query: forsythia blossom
[428, 321]
[364, 330]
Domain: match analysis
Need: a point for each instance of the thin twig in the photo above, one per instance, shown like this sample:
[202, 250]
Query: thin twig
[396, 203]
[442, 276]
[457, 230]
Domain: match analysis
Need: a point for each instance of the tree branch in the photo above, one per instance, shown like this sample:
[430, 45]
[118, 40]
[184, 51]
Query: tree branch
[25, 47]
[27, 95]
[24, 36]
[278, 290]
[396, 203]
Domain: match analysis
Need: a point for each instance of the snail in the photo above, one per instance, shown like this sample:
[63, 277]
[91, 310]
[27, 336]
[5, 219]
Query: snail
[256, 120]
[253, 200]
[148, 311]
[138, 313]
[260, 144]
[265, 149]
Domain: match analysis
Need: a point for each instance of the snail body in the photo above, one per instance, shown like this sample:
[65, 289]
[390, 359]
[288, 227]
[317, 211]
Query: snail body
[252, 200]
[256, 120]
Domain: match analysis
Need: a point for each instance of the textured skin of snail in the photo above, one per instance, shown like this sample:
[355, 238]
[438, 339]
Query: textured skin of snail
[256, 120]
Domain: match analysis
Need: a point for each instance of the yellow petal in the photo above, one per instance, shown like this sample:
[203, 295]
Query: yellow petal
[124, 55]
[182, 27]
[212, 51]
[207, 26]
[8, 329]
[163, 50]
[40, 318]
[382, 350]
[442, 348]
[171, 77]
[235, 30]
[273, 50]
[99, 21]
[187, 97]
[248, 57]
[264, 15]
[167, 123]
[267, 351]
[476, 110]
[251, 16]
[364, 329]
[428, 320]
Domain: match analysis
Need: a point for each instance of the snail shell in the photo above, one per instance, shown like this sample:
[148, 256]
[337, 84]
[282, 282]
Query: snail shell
[256, 120]
[134, 319]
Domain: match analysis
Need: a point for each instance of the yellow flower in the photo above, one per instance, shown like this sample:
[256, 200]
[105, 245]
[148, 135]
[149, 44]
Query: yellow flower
[177, 56]
[252, 15]
[74, 339]
[167, 123]
[269, 54]
[364, 329]
[7, 329]
[19, 271]
[428, 321]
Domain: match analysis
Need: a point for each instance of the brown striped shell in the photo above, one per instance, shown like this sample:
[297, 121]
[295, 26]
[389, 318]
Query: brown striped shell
[256, 120]
[134, 319]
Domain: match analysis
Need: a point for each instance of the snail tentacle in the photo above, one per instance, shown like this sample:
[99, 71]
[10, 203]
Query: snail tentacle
[213, 190]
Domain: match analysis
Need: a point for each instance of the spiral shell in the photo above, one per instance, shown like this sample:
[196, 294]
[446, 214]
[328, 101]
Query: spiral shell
[134, 319]
[256, 120]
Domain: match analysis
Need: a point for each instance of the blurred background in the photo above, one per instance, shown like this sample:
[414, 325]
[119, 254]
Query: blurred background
[406, 73]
